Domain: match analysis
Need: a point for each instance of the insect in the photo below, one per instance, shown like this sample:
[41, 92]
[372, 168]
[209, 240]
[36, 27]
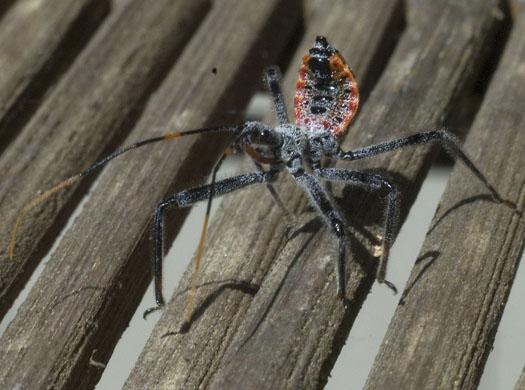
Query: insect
[326, 101]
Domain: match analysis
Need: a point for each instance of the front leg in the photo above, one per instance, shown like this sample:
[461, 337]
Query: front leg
[447, 140]
[187, 198]
[272, 76]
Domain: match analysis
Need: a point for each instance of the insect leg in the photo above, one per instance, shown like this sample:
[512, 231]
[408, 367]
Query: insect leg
[272, 76]
[447, 140]
[324, 204]
[391, 212]
[187, 198]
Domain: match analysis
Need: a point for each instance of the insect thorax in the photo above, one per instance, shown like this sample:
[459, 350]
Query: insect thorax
[305, 145]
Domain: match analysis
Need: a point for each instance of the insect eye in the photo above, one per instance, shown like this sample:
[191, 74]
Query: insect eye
[265, 137]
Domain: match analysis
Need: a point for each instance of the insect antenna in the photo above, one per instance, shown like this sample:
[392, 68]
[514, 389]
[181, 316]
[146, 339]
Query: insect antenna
[202, 240]
[39, 199]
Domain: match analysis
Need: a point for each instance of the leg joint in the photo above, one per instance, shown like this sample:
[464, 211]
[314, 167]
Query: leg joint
[339, 228]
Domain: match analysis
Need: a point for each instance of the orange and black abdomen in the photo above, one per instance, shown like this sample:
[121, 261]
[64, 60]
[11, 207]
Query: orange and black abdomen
[327, 96]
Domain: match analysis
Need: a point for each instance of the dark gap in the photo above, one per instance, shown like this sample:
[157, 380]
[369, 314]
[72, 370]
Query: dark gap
[287, 52]
[382, 55]
[466, 103]
[44, 245]
[72, 44]
[270, 48]
[496, 44]
[283, 61]
[4, 7]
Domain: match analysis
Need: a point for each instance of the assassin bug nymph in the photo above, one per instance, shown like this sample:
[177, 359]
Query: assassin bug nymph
[326, 101]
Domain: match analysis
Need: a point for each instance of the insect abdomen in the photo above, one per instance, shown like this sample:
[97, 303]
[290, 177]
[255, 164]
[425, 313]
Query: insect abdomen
[327, 96]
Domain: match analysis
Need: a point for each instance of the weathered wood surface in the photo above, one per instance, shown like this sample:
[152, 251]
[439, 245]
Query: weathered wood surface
[291, 332]
[37, 40]
[92, 283]
[88, 111]
[444, 327]
[240, 255]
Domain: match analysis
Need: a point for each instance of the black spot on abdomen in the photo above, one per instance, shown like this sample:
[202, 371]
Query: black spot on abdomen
[318, 109]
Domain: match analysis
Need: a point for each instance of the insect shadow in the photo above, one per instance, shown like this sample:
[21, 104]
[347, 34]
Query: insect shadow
[473, 199]
[224, 285]
[429, 257]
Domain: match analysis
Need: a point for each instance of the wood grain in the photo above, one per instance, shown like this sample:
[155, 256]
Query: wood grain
[38, 40]
[246, 237]
[444, 327]
[93, 282]
[92, 107]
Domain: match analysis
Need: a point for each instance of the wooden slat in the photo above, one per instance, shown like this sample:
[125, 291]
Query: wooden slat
[190, 360]
[92, 283]
[295, 325]
[37, 40]
[444, 328]
[90, 108]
